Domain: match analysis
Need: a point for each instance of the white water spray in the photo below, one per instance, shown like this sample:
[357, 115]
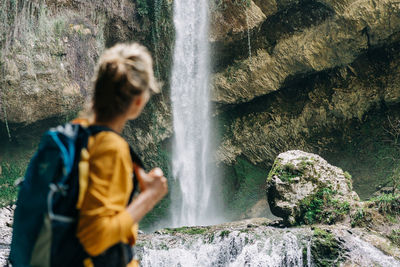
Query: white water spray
[190, 103]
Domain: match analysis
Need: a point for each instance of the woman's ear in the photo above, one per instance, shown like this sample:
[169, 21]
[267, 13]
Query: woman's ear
[138, 100]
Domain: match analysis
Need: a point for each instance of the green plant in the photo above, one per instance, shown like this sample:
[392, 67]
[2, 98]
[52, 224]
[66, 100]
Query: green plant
[387, 203]
[321, 207]
[10, 172]
[348, 180]
[60, 27]
[142, 7]
[357, 218]
[395, 237]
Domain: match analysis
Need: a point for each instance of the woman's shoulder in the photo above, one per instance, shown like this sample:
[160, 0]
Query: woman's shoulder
[108, 141]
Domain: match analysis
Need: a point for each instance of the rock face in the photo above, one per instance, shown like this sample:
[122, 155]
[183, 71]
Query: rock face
[47, 61]
[304, 188]
[335, 33]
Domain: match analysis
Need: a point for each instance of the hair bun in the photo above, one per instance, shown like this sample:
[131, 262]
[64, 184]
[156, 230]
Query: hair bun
[116, 69]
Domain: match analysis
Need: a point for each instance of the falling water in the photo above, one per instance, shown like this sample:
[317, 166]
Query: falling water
[228, 248]
[260, 246]
[190, 103]
[248, 34]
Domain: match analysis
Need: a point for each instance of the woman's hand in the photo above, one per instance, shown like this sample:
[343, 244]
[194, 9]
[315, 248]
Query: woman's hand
[153, 187]
[153, 181]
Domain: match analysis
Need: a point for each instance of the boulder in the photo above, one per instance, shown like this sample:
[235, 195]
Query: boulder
[304, 188]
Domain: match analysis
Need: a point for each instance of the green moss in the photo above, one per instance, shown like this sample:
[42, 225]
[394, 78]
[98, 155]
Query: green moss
[387, 203]
[395, 237]
[285, 172]
[305, 164]
[224, 233]
[186, 230]
[209, 238]
[326, 249]
[321, 207]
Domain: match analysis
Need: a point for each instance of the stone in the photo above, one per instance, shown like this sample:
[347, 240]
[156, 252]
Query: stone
[304, 188]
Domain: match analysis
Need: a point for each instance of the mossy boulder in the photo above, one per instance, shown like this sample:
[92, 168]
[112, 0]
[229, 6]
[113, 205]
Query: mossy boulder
[303, 188]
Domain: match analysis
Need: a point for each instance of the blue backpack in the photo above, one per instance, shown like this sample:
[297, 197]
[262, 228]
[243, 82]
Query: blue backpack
[45, 219]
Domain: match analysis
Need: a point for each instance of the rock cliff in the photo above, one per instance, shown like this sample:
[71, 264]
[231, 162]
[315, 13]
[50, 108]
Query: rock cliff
[321, 76]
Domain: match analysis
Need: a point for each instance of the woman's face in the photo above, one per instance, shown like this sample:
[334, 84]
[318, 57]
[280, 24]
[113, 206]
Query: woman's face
[137, 105]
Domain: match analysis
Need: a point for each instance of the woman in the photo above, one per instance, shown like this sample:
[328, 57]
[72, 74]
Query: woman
[108, 223]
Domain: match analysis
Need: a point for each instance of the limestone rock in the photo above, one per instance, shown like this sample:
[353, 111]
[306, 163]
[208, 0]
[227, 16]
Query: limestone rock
[304, 188]
[47, 62]
[49, 50]
[231, 20]
[339, 37]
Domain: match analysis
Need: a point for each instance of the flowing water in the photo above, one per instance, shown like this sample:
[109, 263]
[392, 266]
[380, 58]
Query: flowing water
[191, 118]
[230, 248]
[261, 246]
[248, 35]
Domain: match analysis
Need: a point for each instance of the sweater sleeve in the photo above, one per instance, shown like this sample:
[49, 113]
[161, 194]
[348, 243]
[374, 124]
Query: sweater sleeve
[103, 219]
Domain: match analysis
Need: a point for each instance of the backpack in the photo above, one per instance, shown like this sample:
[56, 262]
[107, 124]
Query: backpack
[46, 216]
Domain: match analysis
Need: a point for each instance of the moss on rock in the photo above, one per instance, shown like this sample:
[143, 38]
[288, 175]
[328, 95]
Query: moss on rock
[326, 249]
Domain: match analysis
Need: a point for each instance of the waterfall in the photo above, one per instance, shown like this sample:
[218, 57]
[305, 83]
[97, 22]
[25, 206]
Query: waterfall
[232, 246]
[229, 248]
[191, 116]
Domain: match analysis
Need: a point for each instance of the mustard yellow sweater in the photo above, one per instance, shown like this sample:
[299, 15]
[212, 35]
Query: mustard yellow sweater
[104, 195]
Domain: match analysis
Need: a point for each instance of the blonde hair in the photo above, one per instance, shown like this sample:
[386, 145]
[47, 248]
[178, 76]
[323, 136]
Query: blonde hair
[123, 72]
